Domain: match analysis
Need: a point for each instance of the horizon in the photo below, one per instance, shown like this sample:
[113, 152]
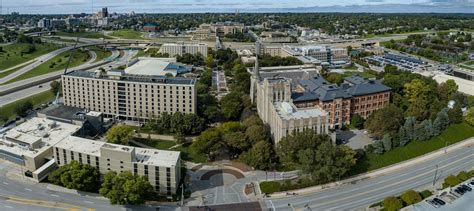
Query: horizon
[244, 6]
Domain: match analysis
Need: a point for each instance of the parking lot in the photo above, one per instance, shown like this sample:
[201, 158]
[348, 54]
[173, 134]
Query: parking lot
[453, 202]
[355, 139]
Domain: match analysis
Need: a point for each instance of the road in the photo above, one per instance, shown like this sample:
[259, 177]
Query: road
[371, 190]
[25, 195]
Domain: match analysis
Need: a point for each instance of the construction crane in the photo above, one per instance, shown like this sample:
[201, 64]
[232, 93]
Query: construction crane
[56, 101]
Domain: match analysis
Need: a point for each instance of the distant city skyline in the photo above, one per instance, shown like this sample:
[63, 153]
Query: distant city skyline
[199, 6]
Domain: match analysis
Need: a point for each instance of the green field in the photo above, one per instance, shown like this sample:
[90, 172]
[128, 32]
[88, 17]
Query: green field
[38, 99]
[469, 62]
[4, 74]
[370, 162]
[55, 64]
[91, 35]
[362, 74]
[11, 55]
[158, 144]
[101, 54]
[127, 34]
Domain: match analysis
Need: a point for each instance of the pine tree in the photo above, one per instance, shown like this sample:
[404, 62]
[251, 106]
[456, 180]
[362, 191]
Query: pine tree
[378, 147]
[444, 118]
[410, 127]
[437, 127]
[387, 142]
[403, 136]
[429, 128]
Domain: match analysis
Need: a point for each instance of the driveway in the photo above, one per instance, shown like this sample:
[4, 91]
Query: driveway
[355, 139]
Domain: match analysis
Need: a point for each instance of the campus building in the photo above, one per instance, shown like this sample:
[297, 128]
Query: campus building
[128, 96]
[295, 98]
[219, 29]
[161, 168]
[41, 144]
[325, 54]
[175, 49]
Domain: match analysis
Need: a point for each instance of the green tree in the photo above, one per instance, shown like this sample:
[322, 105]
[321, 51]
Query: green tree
[385, 121]
[378, 147]
[443, 119]
[403, 136]
[288, 147]
[125, 188]
[55, 87]
[411, 197]
[451, 181]
[455, 114]
[357, 121]
[232, 105]
[257, 133]
[470, 116]
[237, 141]
[387, 142]
[23, 108]
[261, 156]
[392, 203]
[208, 142]
[210, 61]
[76, 176]
[463, 176]
[119, 134]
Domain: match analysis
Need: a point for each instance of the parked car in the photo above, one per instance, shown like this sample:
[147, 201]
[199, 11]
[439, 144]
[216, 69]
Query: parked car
[432, 203]
[439, 201]
[459, 191]
[471, 184]
[466, 187]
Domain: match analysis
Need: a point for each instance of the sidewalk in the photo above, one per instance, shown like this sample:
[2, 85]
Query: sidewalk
[378, 172]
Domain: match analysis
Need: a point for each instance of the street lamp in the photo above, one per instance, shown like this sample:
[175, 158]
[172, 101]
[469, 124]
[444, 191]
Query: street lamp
[436, 172]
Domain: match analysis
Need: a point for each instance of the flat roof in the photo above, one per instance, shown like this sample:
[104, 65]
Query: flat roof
[82, 145]
[150, 66]
[286, 113]
[156, 157]
[134, 78]
[37, 129]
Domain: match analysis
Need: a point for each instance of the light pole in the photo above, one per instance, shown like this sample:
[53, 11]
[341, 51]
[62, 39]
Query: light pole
[436, 172]
[446, 147]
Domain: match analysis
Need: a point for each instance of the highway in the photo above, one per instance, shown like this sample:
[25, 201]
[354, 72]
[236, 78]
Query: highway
[360, 194]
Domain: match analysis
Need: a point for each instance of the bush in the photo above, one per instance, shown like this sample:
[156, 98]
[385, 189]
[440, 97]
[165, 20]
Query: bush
[451, 181]
[411, 197]
[357, 121]
[392, 203]
[425, 194]
[463, 176]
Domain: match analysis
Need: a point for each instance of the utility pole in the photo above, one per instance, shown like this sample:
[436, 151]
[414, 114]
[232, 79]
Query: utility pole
[182, 194]
[446, 147]
[436, 172]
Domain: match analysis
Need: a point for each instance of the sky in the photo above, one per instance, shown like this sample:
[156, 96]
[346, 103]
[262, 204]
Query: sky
[183, 6]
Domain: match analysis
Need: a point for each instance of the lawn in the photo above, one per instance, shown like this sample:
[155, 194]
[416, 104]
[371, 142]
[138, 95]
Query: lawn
[127, 34]
[4, 74]
[186, 154]
[38, 99]
[91, 35]
[55, 64]
[11, 55]
[101, 53]
[469, 62]
[364, 74]
[454, 134]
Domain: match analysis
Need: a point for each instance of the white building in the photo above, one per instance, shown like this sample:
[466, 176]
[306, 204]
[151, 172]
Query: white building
[175, 49]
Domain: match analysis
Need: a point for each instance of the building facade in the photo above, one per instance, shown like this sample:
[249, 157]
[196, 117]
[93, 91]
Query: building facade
[175, 49]
[161, 168]
[219, 29]
[127, 96]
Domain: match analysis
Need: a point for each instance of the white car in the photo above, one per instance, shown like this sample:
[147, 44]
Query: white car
[470, 184]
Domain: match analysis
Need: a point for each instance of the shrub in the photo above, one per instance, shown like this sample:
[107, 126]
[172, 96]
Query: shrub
[411, 197]
[451, 181]
[463, 176]
[392, 203]
[425, 194]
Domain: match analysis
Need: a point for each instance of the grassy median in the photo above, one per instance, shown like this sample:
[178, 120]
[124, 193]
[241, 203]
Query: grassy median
[101, 53]
[15, 54]
[127, 34]
[38, 99]
[55, 64]
[90, 35]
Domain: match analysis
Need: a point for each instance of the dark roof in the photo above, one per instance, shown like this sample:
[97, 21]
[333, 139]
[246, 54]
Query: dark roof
[63, 112]
[317, 88]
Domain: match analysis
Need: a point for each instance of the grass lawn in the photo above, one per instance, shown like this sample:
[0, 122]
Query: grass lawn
[469, 62]
[38, 99]
[452, 135]
[127, 34]
[455, 133]
[11, 54]
[55, 64]
[353, 67]
[101, 53]
[92, 35]
[165, 145]
[4, 74]
[362, 74]
[467, 67]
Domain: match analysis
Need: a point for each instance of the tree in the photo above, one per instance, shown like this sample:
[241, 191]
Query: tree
[470, 116]
[403, 136]
[357, 121]
[392, 203]
[257, 133]
[232, 105]
[125, 188]
[385, 121]
[417, 93]
[119, 134]
[208, 142]
[443, 119]
[378, 147]
[411, 197]
[55, 87]
[261, 156]
[423, 130]
[237, 141]
[76, 176]
[23, 108]
[452, 87]
[455, 114]
[288, 147]
[451, 181]
[463, 176]
[387, 142]
[327, 162]
[210, 61]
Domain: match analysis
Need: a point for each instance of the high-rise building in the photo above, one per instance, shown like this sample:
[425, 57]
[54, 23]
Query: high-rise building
[175, 49]
[127, 96]
[105, 12]
[44, 23]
